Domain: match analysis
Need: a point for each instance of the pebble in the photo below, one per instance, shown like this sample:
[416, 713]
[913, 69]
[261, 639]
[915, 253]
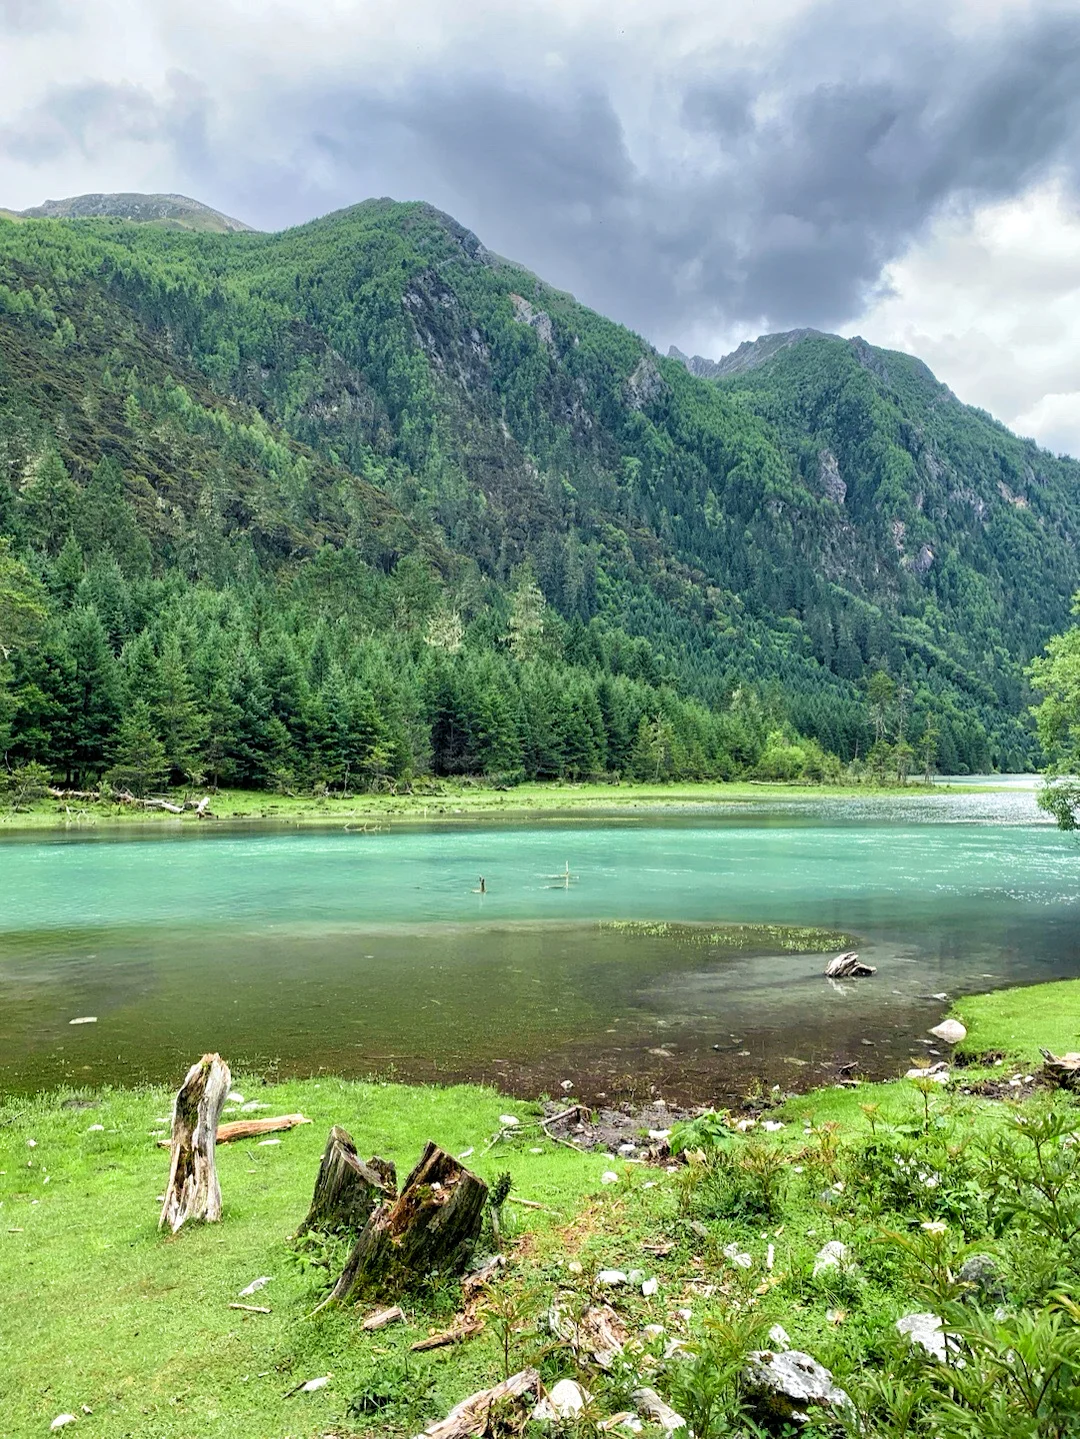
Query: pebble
[609, 1177]
[611, 1277]
[84, 1019]
[650, 1287]
[509, 1121]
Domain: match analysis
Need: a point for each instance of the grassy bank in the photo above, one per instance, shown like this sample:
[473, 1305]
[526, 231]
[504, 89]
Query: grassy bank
[98, 1309]
[446, 801]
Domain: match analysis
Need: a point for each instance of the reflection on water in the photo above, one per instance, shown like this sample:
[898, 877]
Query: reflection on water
[298, 951]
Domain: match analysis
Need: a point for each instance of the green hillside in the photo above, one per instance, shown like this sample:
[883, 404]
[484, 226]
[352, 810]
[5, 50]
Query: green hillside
[361, 500]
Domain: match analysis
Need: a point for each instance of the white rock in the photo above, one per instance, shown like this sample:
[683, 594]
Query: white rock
[313, 1384]
[252, 1105]
[609, 1177]
[653, 1331]
[96, 1129]
[833, 1255]
[654, 1408]
[467, 1153]
[234, 1097]
[263, 1143]
[509, 1121]
[659, 1134]
[611, 1277]
[771, 1125]
[786, 1386]
[925, 1330]
[949, 1031]
[939, 1073]
[576, 1267]
[567, 1084]
[625, 1149]
[650, 1287]
[61, 1420]
[778, 1338]
[255, 1285]
[84, 1019]
[737, 1257]
[565, 1399]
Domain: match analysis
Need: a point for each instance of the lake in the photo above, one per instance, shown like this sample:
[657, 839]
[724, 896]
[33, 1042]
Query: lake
[296, 950]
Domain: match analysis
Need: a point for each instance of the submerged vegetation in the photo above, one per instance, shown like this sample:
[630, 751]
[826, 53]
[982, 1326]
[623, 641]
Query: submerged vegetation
[915, 1238]
[767, 938]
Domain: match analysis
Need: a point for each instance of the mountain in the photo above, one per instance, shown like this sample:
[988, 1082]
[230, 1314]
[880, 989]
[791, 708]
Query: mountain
[173, 211]
[748, 356]
[366, 499]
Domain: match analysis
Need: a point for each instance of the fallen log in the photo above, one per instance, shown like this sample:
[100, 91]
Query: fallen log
[473, 1415]
[848, 966]
[347, 1189]
[193, 1191]
[430, 1228]
[250, 1128]
[465, 1327]
[1063, 1070]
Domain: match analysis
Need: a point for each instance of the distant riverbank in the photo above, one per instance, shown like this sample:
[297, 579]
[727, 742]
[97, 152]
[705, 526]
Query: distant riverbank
[448, 800]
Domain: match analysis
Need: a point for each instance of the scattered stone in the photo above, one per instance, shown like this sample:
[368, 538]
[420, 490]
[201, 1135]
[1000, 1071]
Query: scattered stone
[509, 1121]
[949, 1031]
[778, 1338]
[791, 1386]
[255, 1285]
[650, 1287]
[611, 1277]
[654, 1408]
[96, 1129]
[234, 1097]
[565, 1400]
[939, 1072]
[737, 1257]
[925, 1330]
[833, 1255]
[84, 1019]
[609, 1177]
[982, 1274]
[61, 1420]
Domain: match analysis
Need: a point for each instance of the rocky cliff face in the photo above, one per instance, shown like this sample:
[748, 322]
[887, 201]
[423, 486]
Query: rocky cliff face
[748, 356]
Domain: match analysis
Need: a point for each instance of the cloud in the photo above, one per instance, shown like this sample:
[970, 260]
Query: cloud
[1055, 420]
[25, 17]
[700, 172]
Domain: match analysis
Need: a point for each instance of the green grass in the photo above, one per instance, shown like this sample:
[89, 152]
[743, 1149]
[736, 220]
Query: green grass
[1023, 1021]
[447, 800]
[100, 1309]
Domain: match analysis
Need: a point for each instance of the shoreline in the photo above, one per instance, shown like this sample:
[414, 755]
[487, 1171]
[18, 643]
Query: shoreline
[455, 802]
[134, 1331]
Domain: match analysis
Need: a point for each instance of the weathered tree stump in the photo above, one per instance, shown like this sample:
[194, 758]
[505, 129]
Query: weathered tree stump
[848, 966]
[193, 1191]
[1063, 1069]
[430, 1228]
[347, 1190]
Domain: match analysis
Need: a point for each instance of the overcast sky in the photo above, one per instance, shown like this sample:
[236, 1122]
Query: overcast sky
[703, 170]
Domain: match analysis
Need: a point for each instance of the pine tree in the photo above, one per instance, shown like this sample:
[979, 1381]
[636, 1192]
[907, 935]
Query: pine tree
[140, 761]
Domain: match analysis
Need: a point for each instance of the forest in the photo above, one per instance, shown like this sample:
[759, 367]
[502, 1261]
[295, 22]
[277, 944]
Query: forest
[361, 502]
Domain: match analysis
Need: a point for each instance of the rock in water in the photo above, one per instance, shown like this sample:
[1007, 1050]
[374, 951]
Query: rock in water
[949, 1031]
[792, 1387]
[848, 966]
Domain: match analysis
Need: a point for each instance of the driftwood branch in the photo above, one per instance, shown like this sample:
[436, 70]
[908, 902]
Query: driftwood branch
[201, 807]
[848, 966]
[250, 1128]
[471, 1417]
[193, 1191]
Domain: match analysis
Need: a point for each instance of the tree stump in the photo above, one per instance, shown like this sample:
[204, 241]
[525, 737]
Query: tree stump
[347, 1190]
[193, 1191]
[430, 1228]
[1063, 1070]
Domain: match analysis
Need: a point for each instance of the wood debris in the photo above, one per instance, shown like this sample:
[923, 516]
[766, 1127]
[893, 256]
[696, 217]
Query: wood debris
[472, 1416]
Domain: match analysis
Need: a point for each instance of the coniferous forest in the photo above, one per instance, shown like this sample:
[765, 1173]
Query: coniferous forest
[362, 502]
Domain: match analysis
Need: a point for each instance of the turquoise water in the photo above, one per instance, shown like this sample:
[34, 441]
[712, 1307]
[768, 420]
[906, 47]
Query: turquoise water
[292, 951]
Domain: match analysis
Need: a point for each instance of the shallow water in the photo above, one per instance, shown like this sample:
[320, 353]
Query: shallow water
[291, 951]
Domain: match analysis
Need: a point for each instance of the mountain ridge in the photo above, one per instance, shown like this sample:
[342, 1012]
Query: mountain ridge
[376, 390]
[177, 211]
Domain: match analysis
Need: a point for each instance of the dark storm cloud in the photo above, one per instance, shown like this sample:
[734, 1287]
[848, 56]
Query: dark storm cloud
[815, 164]
[795, 170]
